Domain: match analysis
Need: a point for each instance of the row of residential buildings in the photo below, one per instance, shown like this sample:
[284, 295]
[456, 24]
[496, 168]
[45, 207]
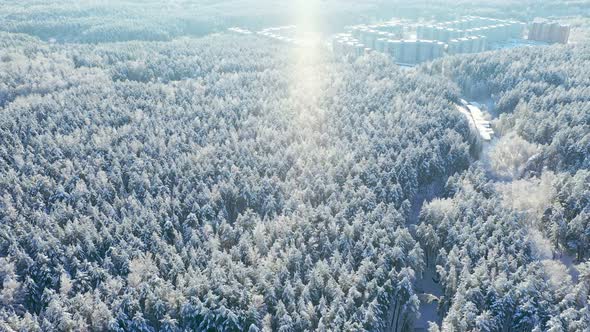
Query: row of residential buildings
[549, 32]
[282, 33]
[240, 31]
[403, 51]
[493, 30]
[493, 33]
[471, 34]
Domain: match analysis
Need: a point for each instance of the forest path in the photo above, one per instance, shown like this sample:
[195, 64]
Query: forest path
[429, 290]
[556, 261]
[558, 264]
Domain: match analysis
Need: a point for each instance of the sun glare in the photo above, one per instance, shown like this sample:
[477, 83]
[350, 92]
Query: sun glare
[306, 84]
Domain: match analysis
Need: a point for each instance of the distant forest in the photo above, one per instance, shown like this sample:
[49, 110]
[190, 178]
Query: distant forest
[90, 21]
[151, 180]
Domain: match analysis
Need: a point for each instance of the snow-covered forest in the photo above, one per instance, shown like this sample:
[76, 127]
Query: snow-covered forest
[502, 249]
[153, 179]
[151, 186]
